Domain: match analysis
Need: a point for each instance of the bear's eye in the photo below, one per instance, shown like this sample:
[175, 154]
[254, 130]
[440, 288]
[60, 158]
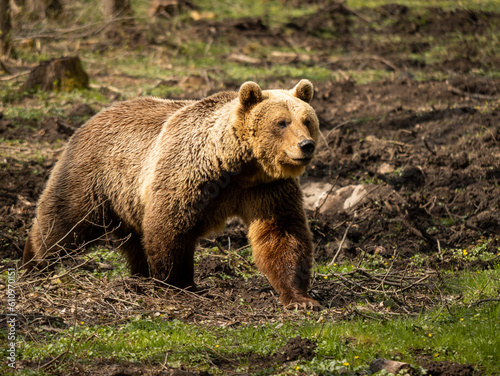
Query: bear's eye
[307, 123]
[282, 123]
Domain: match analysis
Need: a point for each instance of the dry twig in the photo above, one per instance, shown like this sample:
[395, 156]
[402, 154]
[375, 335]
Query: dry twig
[472, 95]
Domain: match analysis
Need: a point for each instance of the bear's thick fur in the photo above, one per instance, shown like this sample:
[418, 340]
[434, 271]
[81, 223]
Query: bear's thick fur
[161, 173]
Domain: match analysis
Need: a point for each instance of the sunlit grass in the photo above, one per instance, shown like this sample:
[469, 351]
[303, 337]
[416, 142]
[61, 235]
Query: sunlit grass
[35, 106]
[272, 11]
[462, 330]
[460, 334]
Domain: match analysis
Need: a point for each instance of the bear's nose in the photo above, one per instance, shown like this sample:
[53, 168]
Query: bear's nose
[307, 147]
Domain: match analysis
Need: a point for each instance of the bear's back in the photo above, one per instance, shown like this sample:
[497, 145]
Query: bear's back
[103, 159]
[137, 119]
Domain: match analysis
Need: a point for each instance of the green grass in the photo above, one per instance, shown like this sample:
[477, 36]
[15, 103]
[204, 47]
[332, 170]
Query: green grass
[271, 11]
[461, 334]
[462, 329]
[486, 5]
[43, 104]
[113, 258]
[473, 253]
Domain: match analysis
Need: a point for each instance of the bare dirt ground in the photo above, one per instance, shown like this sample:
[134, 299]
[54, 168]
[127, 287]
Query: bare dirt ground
[428, 151]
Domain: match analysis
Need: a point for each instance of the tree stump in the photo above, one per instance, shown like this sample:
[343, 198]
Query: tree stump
[63, 74]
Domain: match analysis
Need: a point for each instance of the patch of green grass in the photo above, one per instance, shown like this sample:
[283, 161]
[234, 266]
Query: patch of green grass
[271, 11]
[458, 45]
[27, 55]
[485, 5]
[461, 334]
[476, 252]
[473, 253]
[113, 258]
[447, 221]
[372, 262]
[44, 104]
[146, 339]
[11, 143]
[164, 91]
[27, 114]
[477, 284]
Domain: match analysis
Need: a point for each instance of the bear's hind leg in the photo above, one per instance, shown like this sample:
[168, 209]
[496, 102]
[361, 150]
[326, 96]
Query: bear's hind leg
[29, 254]
[136, 257]
[49, 239]
[171, 259]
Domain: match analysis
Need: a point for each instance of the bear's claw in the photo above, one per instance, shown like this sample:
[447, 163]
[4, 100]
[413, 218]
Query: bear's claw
[304, 304]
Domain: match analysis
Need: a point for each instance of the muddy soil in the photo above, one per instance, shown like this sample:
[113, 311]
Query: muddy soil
[430, 150]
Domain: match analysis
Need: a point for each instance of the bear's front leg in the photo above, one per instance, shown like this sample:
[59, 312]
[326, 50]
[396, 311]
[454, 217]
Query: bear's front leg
[281, 241]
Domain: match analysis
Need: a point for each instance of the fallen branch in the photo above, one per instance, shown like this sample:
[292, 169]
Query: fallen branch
[340, 245]
[94, 28]
[484, 301]
[385, 281]
[8, 78]
[180, 289]
[369, 57]
[107, 87]
[472, 95]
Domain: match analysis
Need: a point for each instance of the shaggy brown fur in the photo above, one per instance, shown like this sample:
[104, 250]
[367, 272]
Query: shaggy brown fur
[162, 173]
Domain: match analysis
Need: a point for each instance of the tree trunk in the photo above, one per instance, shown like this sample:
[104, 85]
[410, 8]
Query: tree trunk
[35, 9]
[116, 9]
[118, 13]
[63, 74]
[41, 9]
[6, 48]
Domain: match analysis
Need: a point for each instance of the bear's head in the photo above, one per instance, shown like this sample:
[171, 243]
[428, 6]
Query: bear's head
[280, 126]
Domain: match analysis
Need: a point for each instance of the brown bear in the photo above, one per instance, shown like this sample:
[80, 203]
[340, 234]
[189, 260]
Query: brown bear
[159, 174]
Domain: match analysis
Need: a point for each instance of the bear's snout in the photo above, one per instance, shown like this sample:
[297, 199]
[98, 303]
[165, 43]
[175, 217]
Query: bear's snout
[307, 147]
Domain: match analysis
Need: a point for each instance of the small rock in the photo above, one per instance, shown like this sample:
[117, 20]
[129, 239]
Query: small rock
[385, 168]
[390, 366]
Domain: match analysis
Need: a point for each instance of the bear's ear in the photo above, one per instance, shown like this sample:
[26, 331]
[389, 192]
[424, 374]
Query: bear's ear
[304, 90]
[250, 94]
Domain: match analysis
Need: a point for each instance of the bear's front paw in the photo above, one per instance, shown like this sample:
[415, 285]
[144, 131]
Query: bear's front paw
[303, 303]
[38, 267]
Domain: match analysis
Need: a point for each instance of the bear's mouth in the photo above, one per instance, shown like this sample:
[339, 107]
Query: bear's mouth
[302, 161]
